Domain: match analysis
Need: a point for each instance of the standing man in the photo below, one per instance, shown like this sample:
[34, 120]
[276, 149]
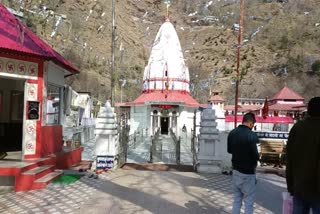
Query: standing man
[303, 161]
[242, 144]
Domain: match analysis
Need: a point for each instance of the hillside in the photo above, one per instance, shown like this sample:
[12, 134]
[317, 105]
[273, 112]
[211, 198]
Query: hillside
[281, 43]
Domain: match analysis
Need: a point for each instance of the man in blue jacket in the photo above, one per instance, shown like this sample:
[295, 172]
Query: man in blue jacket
[242, 144]
[303, 161]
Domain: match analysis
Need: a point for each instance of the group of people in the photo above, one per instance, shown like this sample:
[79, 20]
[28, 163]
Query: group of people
[302, 162]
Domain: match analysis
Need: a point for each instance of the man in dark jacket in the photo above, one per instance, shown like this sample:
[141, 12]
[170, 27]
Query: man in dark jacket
[242, 144]
[303, 161]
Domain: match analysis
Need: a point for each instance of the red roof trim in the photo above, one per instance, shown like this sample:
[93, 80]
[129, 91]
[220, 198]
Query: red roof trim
[216, 98]
[17, 55]
[166, 79]
[166, 96]
[287, 107]
[260, 119]
[243, 107]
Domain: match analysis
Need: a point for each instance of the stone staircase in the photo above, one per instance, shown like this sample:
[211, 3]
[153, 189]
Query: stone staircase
[34, 174]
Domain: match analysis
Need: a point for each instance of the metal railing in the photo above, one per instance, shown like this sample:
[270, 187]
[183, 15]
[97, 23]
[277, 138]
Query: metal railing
[137, 137]
[129, 142]
[194, 143]
[153, 148]
[194, 150]
[177, 142]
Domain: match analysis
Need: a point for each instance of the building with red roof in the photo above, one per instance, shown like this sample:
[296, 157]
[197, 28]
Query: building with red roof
[287, 94]
[31, 102]
[165, 102]
[283, 109]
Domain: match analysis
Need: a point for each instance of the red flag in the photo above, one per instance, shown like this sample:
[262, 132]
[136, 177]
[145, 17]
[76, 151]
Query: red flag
[265, 109]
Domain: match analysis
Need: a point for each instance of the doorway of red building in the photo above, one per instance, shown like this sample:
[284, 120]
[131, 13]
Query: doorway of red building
[11, 117]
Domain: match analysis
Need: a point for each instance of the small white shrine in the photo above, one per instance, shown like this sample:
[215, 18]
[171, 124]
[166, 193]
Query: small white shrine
[107, 144]
[208, 155]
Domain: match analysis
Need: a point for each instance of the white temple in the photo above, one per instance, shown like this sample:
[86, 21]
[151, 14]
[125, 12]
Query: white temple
[166, 69]
[165, 101]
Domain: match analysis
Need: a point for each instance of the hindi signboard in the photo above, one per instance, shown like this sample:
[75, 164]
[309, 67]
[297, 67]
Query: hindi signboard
[104, 162]
[273, 135]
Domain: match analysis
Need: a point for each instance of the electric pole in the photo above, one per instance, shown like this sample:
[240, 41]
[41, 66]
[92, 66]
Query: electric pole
[238, 62]
[112, 89]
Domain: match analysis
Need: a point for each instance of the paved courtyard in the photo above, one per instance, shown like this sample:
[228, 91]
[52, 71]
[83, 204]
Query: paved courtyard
[132, 191]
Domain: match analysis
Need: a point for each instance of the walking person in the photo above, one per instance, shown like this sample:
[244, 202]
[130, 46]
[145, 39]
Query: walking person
[303, 161]
[242, 144]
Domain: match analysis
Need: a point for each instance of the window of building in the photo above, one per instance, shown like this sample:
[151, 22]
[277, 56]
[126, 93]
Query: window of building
[53, 105]
[266, 126]
[281, 127]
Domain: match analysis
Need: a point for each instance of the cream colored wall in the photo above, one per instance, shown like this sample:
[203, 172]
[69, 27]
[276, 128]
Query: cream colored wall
[140, 118]
[6, 86]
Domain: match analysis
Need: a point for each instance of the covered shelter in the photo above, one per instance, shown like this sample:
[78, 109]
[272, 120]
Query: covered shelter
[31, 102]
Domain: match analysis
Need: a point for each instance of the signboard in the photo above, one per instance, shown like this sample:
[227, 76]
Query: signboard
[33, 110]
[165, 106]
[104, 162]
[272, 135]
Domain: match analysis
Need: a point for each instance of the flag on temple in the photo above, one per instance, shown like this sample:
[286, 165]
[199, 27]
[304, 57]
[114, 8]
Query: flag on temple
[265, 109]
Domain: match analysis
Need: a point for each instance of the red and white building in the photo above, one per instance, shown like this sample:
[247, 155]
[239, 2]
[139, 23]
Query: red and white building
[277, 114]
[31, 106]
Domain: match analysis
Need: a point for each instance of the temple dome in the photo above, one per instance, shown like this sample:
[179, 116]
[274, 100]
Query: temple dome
[166, 69]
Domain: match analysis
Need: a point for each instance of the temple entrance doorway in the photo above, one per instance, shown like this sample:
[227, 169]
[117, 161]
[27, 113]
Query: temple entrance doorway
[164, 124]
[11, 117]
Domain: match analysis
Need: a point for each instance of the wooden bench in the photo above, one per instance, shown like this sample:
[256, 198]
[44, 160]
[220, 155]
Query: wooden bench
[271, 151]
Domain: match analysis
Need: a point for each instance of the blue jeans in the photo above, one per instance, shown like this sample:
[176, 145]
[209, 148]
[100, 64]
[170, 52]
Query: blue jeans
[244, 189]
[302, 206]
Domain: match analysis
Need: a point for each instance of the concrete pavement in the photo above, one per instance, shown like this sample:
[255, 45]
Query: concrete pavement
[133, 191]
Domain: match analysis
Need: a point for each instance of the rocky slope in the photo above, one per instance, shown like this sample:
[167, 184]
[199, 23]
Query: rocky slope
[281, 43]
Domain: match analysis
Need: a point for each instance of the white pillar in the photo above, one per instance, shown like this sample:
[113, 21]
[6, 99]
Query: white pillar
[151, 124]
[159, 118]
[209, 159]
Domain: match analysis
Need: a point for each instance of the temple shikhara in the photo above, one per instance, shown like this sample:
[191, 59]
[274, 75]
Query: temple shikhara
[165, 101]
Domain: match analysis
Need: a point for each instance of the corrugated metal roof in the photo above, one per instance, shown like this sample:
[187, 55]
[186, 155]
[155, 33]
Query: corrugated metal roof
[16, 38]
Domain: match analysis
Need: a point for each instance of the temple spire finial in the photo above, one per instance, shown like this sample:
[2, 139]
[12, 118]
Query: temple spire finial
[168, 3]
